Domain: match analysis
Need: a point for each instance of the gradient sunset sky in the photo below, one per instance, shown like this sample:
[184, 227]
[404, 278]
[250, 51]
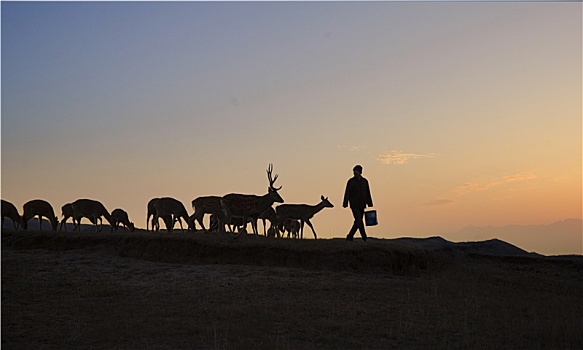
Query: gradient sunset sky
[461, 113]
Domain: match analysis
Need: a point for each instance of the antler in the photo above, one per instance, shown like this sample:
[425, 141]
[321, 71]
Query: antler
[272, 180]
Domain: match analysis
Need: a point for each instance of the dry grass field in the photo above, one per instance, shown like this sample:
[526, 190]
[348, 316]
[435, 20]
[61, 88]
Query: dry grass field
[203, 291]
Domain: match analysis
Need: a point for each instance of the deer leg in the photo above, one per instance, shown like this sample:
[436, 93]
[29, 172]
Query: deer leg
[180, 222]
[198, 217]
[312, 227]
[302, 222]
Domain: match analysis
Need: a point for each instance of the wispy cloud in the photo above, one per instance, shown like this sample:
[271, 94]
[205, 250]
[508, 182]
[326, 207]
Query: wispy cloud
[476, 187]
[438, 201]
[399, 158]
[350, 148]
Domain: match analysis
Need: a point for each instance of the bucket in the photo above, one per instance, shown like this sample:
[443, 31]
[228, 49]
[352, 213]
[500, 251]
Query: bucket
[370, 218]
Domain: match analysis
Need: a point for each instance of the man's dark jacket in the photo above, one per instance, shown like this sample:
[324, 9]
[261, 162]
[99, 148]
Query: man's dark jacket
[357, 193]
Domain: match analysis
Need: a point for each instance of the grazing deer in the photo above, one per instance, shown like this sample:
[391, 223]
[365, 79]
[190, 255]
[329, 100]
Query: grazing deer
[292, 227]
[120, 216]
[67, 212]
[10, 211]
[91, 209]
[41, 208]
[151, 213]
[247, 206]
[205, 205]
[302, 212]
[170, 206]
[270, 215]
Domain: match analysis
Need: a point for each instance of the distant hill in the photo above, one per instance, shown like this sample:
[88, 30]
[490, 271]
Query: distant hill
[494, 247]
[558, 238]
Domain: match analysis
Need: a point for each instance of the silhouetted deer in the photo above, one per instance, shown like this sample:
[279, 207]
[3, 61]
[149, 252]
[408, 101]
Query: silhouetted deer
[170, 206]
[302, 212]
[247, 206]
[120, 216]
[41, 208]
[206, 205]
[10, 211]
[91, 209]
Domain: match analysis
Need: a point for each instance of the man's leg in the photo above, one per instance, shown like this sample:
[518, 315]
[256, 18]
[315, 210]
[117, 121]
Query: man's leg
[359, 221]
[357, 225]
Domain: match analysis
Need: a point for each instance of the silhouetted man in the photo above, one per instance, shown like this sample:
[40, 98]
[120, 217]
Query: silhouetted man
[358, 195]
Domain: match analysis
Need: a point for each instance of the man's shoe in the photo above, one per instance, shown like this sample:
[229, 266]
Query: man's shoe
[350, 239]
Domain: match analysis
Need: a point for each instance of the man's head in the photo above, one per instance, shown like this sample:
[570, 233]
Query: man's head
[357, 170]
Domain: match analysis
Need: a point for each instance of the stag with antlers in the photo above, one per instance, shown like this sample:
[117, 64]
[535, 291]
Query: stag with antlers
[248, 206]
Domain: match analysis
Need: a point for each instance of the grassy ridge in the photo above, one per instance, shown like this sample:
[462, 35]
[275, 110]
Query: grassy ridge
[209, 248]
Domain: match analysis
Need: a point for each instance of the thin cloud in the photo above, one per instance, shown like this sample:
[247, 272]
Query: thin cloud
[350, 148]
[399, 158]
[438, 201]
[476, 187]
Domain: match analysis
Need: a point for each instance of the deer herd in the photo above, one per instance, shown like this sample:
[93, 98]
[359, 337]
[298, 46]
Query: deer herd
[231, 213]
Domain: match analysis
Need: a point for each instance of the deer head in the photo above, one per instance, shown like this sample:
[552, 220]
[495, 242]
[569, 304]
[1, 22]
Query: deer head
[273, 190]
[326, 202]
[54, 223]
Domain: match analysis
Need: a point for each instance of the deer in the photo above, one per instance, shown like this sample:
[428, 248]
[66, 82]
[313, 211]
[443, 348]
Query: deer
[206, 205]
[170, 206]
[302, 212]
[292, 227]
[120, 216]
[92, 210]
[236, 223]
[247, 206]
[10, 211]
[41, 208]
[270, 215]
[152, 211]
[66, 212]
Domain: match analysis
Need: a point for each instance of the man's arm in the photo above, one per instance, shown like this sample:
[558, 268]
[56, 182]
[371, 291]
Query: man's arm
[368, 196]
[345, 201]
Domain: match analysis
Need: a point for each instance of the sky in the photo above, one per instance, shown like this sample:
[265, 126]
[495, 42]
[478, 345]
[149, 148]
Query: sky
[461, 113]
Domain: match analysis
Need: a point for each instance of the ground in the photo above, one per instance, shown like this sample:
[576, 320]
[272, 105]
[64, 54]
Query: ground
[101, 291]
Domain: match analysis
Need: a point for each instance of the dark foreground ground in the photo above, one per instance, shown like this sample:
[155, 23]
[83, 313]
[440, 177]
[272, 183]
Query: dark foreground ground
[145, 291]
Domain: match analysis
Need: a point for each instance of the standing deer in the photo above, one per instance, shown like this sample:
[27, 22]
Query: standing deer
[91, 209]
[302, 212]
[206, 205]
[247, 206]
[270, 215]
[170, 206]
[41, 208]
[120, 216]
[10, 211]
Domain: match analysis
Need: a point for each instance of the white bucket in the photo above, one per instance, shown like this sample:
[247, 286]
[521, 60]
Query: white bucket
[370, 218]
